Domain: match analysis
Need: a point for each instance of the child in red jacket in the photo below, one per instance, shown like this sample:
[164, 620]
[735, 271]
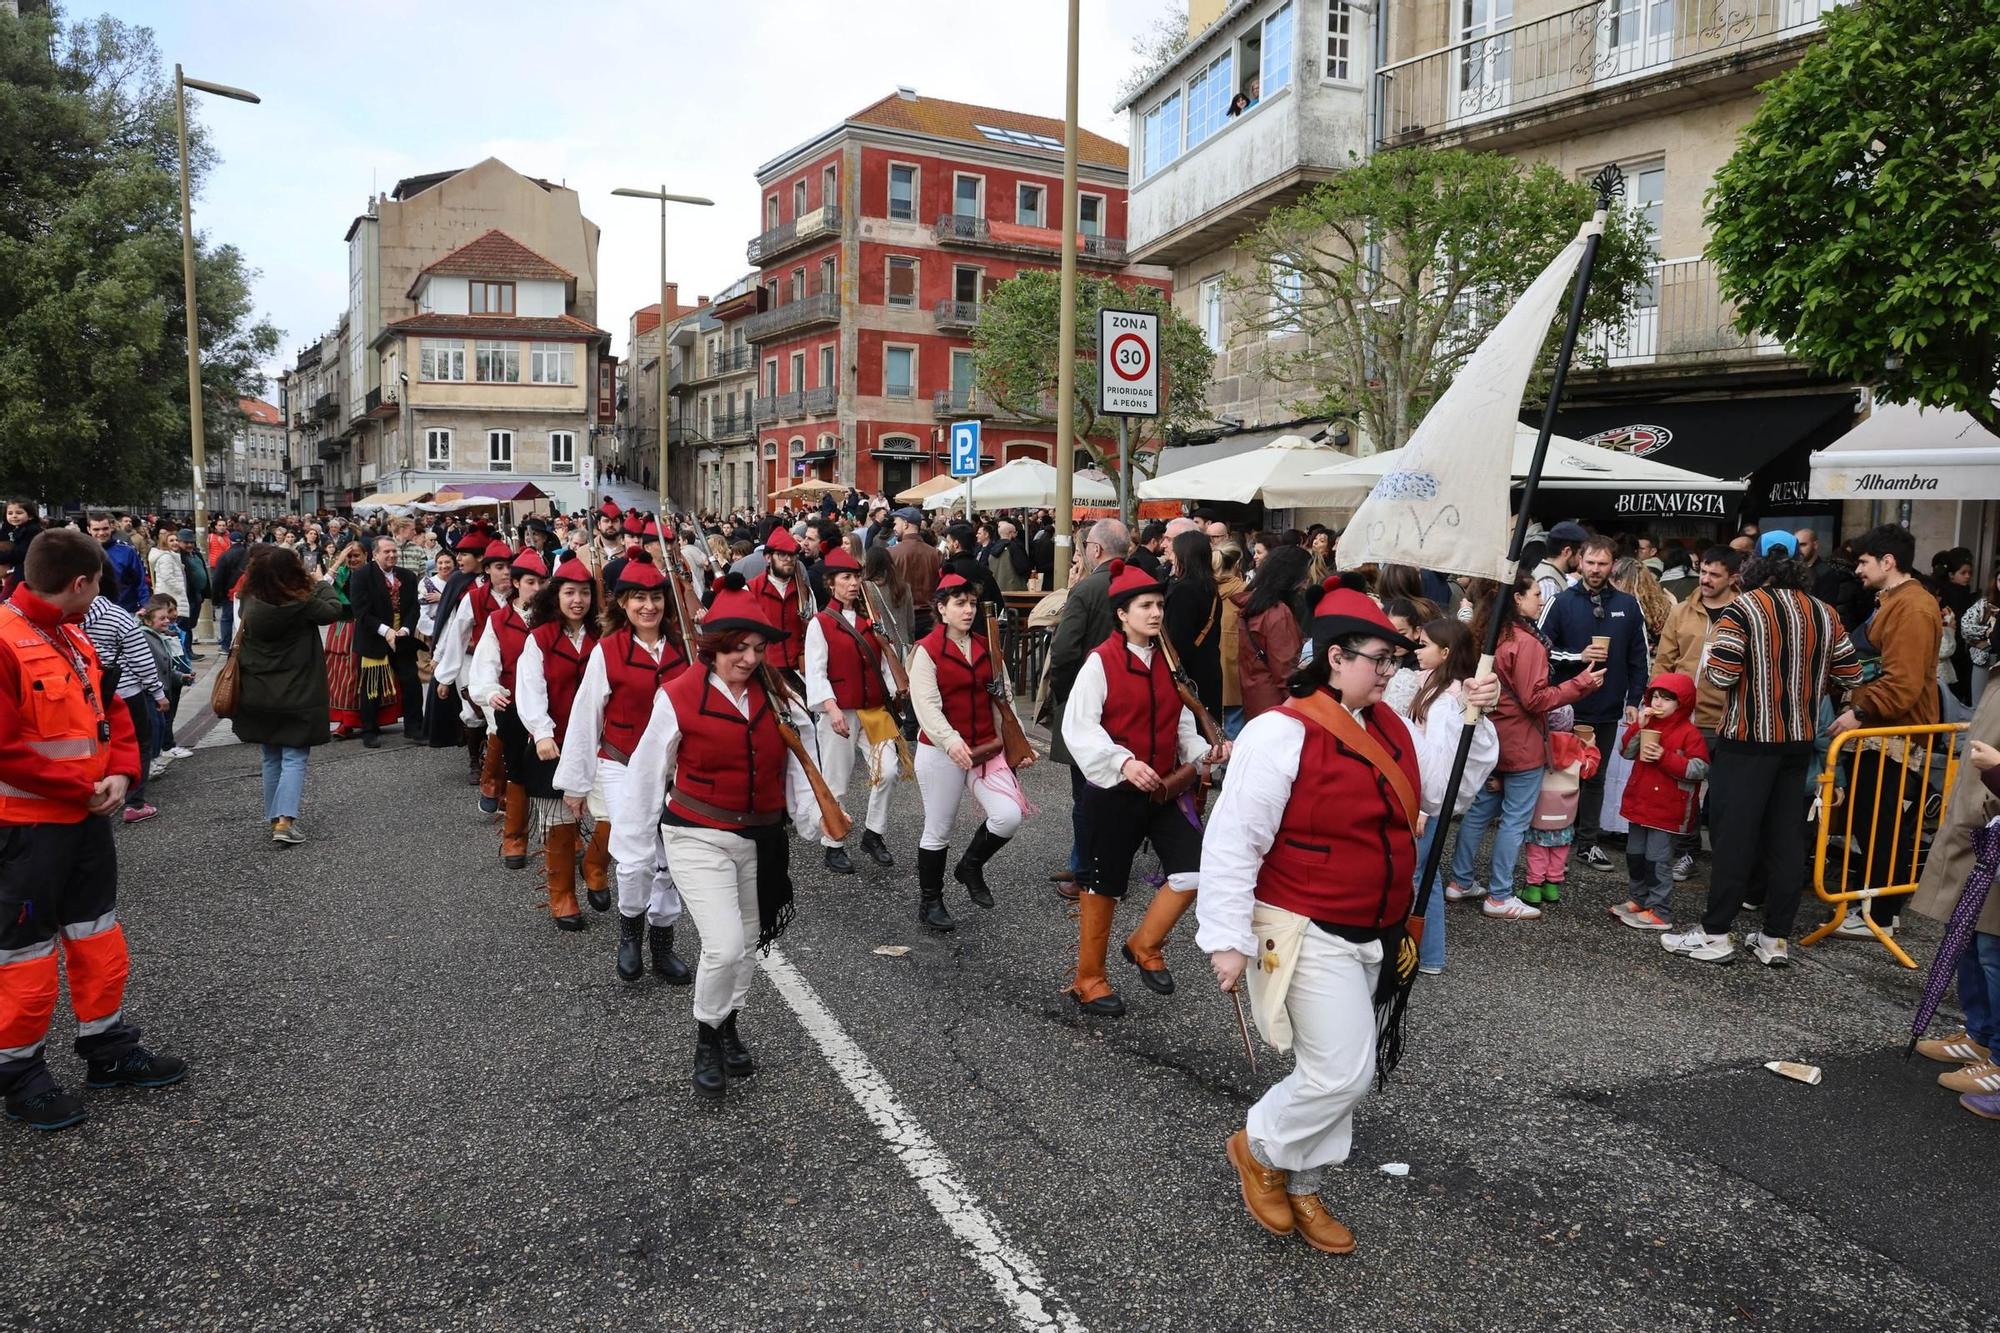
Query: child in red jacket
[1662, 797]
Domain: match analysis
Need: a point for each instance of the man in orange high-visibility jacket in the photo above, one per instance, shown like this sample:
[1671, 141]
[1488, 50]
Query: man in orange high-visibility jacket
[65, 762]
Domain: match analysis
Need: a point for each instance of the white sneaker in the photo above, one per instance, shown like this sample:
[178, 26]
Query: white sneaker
[1854, 928]
[158, 767]
[1696, 943]
[1770, 950]
[1509, 909]
[181, 752]
[1454, 894]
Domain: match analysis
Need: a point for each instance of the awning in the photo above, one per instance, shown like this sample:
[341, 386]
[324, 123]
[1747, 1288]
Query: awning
[1176, 458]
[499, 490]
[1910, 453]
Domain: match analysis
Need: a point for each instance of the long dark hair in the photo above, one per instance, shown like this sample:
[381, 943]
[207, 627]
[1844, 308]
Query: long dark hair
[1392, 581]
[878, 567]
[1460, 658]
[1500, 603]
[276, 575]
[1278, 580]
[1194, 559]
[545, 607]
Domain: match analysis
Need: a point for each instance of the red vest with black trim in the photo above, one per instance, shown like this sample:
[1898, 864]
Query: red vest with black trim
[726, 760]
[484, 604]
[1142, 711]
[512, 631]
[782, 609]
[562, 669]
[634, 678]
[853, 669]
[962, 682]
[1344, 853]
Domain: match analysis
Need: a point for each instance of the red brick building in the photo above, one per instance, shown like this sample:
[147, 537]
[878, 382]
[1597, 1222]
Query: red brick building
[881, 237]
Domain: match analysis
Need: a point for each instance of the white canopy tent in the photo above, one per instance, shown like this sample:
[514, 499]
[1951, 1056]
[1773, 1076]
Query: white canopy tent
[1902, 452]
[1024, 483]
[1278, 467]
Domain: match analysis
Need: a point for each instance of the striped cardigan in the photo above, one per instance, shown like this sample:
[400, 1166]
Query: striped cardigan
[1774, 652]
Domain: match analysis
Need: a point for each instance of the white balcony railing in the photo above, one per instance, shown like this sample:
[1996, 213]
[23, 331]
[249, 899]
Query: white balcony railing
[1683, 317]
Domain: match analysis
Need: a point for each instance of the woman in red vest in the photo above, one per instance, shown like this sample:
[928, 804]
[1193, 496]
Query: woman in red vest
[952, 679]
[734, 785]
[1128, 733]
[1309, 873]
[451, 664]
[613, 704]
[849, 685]
[495, 660]
[564, 620]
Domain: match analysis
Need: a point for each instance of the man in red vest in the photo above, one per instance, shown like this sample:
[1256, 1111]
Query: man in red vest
[786, 603]
[66, 760]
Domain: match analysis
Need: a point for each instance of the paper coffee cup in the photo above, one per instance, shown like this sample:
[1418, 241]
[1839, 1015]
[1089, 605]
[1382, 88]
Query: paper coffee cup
[1585, 733]
[1647, 734]
[1601, 641]
[1792, 1069]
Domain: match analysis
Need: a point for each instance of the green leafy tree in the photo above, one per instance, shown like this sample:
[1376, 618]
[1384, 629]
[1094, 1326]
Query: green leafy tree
[1857, 219]
[93, 350]
[1374, 288]
[1016, 351]
[1155, 48]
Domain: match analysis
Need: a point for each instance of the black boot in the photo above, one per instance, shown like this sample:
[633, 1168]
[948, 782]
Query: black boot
[837, 862]
[709, 1078]
[736, 1061]
[666, 963]
[971, 868]
[878, 850]
[930, 887]
[631, 933]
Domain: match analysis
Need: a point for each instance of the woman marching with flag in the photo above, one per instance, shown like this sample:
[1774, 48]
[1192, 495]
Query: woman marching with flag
[563, 618]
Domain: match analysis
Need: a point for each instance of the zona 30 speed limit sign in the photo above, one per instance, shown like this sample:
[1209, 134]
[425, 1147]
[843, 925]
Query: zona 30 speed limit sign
[1128, 363]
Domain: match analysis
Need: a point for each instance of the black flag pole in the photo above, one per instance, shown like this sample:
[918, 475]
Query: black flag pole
[1609, 184]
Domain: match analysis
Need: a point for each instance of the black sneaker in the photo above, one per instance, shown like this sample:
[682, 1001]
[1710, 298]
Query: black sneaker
[1595, 858]
[51, 1108]
[138, 1069]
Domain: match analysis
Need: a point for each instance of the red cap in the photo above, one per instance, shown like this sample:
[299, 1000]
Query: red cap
[572, 570]
[1128, 581]
[781, 539]
[639, 572]
[950, 584]
[472, 540]
[838, 561]
[633, 523]
[1343, 611]
[651, 530]
[496, 553]
[732, 606]
[529, 562]
[610, 509]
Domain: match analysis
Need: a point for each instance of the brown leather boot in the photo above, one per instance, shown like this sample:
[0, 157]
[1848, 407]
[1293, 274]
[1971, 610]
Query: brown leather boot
[1091, 991]
[514, 828]
[1143, 946]
[492, 768]
[1319, 1229]
[597, 867]
[1263, 1187]
[559, 851]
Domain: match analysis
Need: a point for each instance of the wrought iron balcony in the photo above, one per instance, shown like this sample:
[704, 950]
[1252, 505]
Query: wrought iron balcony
[333, 448]
[1684, 318]
[956, 316]
[734, 425]
[817, 402]
[1478, 84]
[803, 230]
[950, 404]
[805, 313]
[978, 233]
[326, 407]
[728, 361]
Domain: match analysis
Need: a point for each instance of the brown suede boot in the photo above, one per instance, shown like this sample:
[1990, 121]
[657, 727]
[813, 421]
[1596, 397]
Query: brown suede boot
[1320, 1230]
[514, 828]
[492, 769]
[597, 867]
[1263, 1187]
[1143, 946]
[559, 851]
[1091, 991]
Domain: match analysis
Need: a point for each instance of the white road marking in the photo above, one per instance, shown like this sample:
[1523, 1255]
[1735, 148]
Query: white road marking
[1021, 1285]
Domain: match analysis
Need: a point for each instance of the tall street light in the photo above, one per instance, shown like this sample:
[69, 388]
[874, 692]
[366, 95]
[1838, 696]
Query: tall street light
[1066, 330]
[665, 199]
[197, 446]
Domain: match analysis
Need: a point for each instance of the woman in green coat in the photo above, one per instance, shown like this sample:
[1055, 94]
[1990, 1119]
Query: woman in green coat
[281, 701]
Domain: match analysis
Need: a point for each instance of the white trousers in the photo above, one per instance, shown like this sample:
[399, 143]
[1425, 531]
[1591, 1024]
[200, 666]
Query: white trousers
[836, 761]
[1306, 1120]
[943, 783]
[641, 888]
[717, 874]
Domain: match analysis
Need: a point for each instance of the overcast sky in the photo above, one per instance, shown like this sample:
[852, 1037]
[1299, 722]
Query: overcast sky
[594, 94]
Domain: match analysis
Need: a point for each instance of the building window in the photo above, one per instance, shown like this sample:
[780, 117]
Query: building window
[497, 363]
[902, 281]
[799, 283]
[1275, 63]
[826, 272]
[562, 451]
[770, 212]
[798, 199]
[437, 450]
[491, 298]
[798, 372]
[552, 363]
[443, 361]
[899, 371]
[1288, 289]
[826, 366]
[1340, 41]
[1163, 133]
[1090, 214]
[965, 284]
[1028, 205]
[829, 186]
[1208, 99]
[903, 193]
[771, 378]
[968, 196]
[499, 451]
[1210, 304]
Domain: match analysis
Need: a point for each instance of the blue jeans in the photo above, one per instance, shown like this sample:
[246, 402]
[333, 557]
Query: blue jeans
[284, 780]
[1430, 949]
[225, 623]
[1233, 722]
[1514, 806]
[1979, 988]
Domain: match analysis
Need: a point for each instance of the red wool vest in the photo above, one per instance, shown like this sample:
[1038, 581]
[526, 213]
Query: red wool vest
[1141, 710]
[962, 687]
[782, 610]
[1344, 853]
[483, 606]
[562, 669]
[726, 760]
[634, 678]
[512, 632]
[854, 672]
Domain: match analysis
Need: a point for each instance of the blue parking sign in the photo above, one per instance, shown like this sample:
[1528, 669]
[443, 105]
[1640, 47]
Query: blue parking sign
[965, 448]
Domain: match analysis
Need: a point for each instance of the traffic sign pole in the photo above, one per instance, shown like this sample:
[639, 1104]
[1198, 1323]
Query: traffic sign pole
[1125, 470]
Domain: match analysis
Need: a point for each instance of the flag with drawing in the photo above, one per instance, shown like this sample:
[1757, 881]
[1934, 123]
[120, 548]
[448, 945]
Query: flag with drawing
[1445, 506]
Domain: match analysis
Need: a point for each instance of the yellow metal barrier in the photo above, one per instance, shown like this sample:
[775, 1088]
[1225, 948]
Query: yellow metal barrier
[1889, 789]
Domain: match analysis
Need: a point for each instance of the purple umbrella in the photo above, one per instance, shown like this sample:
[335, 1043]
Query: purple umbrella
[1958, 932]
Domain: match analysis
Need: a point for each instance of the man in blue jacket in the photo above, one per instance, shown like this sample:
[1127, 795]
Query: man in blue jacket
[1579, 621]
[133, 585]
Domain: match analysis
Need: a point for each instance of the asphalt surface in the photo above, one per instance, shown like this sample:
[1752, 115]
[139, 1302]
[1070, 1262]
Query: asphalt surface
[415, 1105]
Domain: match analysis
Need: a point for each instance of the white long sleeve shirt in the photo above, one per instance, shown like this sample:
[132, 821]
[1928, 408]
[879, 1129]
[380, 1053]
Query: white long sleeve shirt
[636, 806]
[454, 647]
[818, 688]
[1098, 757]
[483, 675]
[531, 689]
[1436, 739]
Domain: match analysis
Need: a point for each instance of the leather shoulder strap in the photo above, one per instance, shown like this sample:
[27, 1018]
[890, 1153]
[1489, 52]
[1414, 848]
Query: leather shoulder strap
[1337, 720]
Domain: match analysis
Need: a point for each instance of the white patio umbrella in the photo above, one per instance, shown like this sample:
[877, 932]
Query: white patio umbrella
[1283, 463]
[1025, 483]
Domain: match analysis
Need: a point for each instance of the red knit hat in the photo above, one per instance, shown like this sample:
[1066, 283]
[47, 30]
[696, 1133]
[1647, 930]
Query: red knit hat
[651, 530]
[1128, 581]
[529, 562]
[634, 525]
[781, 539]
[572, 570]
[838, 561]
[496, 553]
[639, 572]
[610, 509]
[732, 606]
[1343, 611]
[474, 540]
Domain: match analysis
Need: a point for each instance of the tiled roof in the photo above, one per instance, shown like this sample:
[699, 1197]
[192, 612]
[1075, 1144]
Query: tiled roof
[498, 255]
[497, 326]
[647, 318]
[962, 121]
[260, 411]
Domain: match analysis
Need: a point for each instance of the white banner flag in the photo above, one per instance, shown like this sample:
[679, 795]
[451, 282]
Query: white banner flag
[1445, 506]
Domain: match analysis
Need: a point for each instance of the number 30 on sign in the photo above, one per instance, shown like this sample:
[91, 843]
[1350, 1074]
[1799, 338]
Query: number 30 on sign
[1128, 363]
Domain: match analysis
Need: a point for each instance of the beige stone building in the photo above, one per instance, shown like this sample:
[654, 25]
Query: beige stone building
[311, 398]
[715, 386]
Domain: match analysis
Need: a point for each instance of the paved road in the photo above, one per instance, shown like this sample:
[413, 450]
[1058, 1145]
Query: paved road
[416, 1105]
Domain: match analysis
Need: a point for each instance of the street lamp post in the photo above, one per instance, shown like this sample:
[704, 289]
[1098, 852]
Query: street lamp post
[665, 199]
[1066, 329]
[196, 444]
